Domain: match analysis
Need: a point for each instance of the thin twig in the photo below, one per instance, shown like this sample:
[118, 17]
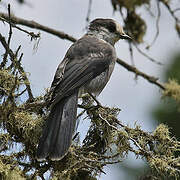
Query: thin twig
[131, 54]
[6, 47]
[89, 11]
[10, 26]
[148, 8]
[80, 114]
[88, 14]
[175, 10]
[170, 11]
[94, 98]
[32, 34]
[157, 25]
[122, 15]
[3, 63]
[21, 93]
[147, 56]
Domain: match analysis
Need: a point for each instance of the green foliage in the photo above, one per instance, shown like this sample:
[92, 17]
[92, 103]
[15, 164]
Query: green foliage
[7, 81]
[25, 124]
[135, 26]
[172, 90]
[10, 171]
[164, 158]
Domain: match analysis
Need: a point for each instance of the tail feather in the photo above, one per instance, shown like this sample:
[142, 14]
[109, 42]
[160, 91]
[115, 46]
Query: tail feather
[58, 130]
[64, 136]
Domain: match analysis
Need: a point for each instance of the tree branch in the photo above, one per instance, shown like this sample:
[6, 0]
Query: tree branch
[35, 25]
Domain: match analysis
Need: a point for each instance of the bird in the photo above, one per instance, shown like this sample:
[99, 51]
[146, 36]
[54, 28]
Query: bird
[85, 68]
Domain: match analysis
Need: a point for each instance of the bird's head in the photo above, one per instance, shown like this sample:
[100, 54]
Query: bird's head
[108, 29]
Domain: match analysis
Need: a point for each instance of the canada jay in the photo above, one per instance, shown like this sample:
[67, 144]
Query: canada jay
[86, 68]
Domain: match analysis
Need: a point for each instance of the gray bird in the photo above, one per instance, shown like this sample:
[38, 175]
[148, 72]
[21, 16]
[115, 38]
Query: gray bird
[86, 68]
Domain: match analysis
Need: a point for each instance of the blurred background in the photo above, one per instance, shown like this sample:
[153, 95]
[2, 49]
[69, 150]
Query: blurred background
[140, 102]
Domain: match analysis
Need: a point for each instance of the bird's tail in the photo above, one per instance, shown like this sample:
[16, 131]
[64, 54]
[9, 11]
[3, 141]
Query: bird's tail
[58, 130]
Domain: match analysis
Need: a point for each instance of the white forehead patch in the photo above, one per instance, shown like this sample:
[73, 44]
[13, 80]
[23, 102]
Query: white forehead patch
[119, 28]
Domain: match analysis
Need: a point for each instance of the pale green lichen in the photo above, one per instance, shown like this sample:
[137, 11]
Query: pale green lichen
[172, 89]
[10, 171]
[27, 124]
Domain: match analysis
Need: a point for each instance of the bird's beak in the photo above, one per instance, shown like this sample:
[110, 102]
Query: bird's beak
[125, 36]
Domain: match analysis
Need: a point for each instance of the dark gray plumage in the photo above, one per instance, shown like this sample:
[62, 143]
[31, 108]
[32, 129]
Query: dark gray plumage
[87, 67]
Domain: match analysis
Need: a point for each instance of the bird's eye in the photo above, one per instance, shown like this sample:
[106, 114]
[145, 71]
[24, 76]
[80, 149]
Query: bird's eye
[112, 27]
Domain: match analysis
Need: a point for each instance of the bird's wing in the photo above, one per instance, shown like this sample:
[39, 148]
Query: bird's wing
[77, 69]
